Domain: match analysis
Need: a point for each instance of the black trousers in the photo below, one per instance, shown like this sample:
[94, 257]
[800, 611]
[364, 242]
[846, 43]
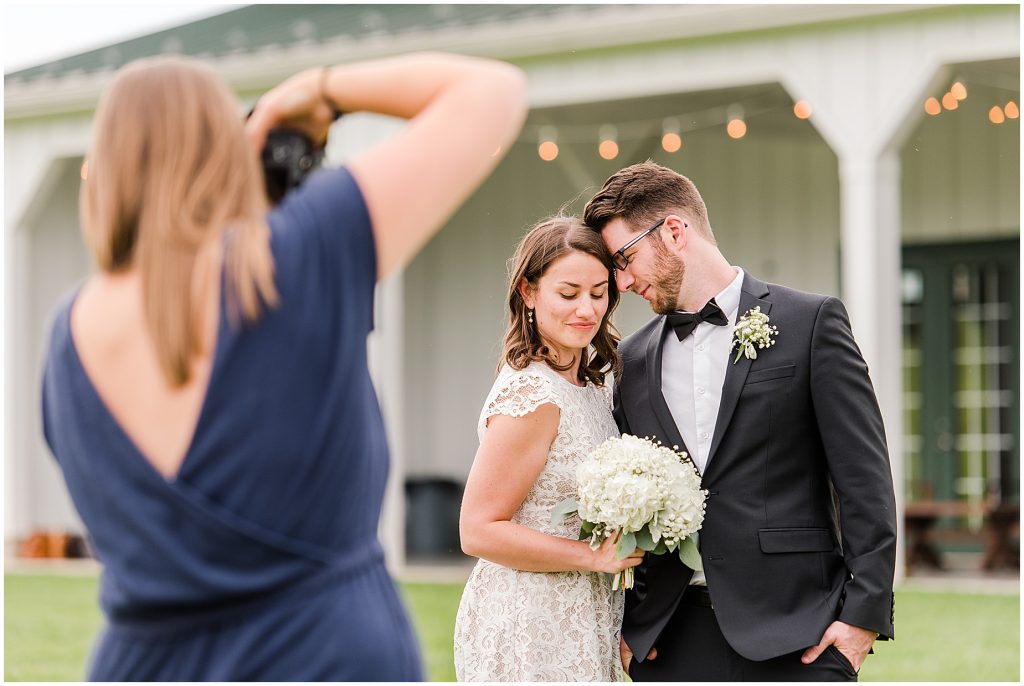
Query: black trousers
[692, 648]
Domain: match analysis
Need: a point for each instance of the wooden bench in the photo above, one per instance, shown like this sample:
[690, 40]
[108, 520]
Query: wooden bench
[1001, 525]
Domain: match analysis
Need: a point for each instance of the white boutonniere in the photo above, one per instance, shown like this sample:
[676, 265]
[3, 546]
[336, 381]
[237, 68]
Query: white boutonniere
[752, 330]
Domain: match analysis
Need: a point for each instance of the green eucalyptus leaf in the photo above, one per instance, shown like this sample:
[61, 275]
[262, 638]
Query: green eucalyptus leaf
[644, 540]
[660, 548]
[689, 554]
[626, 545]
[563, 510]
[587, 530]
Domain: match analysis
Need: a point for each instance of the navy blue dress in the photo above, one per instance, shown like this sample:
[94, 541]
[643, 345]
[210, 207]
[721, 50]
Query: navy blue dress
[260, 559]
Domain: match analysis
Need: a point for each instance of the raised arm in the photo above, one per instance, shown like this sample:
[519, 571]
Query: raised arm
[464, 113]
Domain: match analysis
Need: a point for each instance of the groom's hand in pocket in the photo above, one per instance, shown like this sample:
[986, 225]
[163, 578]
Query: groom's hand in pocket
[852, 641]
[625, 654]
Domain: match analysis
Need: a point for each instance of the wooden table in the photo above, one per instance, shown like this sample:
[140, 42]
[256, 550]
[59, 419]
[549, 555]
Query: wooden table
[1001, 524]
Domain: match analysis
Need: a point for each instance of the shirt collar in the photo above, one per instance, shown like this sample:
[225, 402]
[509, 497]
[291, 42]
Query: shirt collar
[729, 298]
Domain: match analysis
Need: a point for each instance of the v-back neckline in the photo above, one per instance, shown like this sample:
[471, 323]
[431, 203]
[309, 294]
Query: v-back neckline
[119, 429]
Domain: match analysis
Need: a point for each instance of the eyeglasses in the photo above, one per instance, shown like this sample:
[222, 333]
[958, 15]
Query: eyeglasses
[619, 259]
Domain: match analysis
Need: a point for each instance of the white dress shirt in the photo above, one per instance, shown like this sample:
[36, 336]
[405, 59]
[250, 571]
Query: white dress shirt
[692, 376]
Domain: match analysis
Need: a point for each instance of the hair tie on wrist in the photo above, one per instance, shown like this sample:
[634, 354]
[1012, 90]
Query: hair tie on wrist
[325, 72]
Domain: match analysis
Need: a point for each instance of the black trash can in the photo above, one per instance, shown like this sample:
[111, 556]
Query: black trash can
[432, 518]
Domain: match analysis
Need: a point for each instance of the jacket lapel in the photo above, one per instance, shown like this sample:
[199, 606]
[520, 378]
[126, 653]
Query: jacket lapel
[661, 411]
[736, 374]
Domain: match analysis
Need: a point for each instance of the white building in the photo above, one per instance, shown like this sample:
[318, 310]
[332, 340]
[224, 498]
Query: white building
[912, 218]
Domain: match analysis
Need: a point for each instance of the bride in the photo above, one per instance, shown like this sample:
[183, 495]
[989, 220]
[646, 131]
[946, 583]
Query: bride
[539, 606]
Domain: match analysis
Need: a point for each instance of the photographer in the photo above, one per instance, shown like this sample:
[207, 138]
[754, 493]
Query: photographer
[206, 392]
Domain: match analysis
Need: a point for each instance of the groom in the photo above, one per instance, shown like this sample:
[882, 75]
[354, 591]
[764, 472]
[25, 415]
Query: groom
[799, 538]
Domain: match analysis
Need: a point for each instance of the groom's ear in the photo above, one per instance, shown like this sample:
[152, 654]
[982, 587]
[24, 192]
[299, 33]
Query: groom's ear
[675, 232]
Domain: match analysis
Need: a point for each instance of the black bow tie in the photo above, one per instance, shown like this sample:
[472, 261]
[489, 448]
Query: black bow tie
[685, 322]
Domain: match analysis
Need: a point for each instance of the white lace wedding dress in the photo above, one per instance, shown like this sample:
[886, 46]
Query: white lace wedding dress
[550, 626]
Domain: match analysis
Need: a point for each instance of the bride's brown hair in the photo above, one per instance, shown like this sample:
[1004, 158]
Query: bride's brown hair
[547, 241]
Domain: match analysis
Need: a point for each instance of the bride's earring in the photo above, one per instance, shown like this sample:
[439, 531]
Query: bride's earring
[529, 316]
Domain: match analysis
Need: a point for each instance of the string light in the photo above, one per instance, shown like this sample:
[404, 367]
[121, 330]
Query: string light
[950, 102]
[802, 109]
[671, 141]
[932, 106]
[1011, 110]
[995, 115]
[640, 129]
[674, 127]
[548, 151]
[736, 127]
[608, 147]
[958, 91]
[547, 148]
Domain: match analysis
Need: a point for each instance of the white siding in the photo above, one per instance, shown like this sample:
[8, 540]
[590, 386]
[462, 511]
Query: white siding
[961, 175]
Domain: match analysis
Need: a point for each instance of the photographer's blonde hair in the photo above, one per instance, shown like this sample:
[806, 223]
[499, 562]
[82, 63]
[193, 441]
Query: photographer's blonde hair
[170, 170]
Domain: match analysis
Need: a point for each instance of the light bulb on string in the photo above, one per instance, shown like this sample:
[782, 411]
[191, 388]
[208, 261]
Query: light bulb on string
[547, 148]
[958, 91]
[995, 115]
[1011, 110]
[608, 147]
[932, 106]
[671, 141]
[950, 102]
[735, 126]
[802, 109]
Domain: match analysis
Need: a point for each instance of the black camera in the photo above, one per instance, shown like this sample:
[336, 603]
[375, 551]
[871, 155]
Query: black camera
[288, 158]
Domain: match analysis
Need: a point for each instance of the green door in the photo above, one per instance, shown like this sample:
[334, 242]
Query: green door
[962, 375]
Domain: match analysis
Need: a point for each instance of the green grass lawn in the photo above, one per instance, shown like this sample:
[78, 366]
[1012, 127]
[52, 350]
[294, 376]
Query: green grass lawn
[50, 622]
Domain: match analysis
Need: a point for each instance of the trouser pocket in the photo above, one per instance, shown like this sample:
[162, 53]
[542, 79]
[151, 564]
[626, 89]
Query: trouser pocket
[841, 659]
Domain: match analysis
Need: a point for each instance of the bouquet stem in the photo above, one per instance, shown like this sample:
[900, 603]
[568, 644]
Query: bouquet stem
[623, 580]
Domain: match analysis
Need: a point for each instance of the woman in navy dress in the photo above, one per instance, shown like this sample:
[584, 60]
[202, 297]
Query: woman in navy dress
[206, 392]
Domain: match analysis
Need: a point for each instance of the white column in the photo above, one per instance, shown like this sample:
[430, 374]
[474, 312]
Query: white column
[871, 275]
[352, 135]
[385, 359]
[22, 192]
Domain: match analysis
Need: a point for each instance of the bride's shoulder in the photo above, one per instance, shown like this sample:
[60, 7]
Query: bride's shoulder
[518, 392]
[534, 380]
[534, 372]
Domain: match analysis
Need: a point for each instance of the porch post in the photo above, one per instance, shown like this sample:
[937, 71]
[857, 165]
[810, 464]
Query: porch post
[354, 134]
[870, 283]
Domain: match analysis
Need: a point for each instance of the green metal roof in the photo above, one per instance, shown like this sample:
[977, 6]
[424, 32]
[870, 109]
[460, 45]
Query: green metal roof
[258, 26]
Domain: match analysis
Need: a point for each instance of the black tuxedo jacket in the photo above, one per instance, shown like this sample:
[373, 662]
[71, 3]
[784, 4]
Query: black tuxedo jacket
[800, 527]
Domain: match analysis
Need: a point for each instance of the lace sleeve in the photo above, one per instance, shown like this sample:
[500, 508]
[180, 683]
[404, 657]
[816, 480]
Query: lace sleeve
[518, 394]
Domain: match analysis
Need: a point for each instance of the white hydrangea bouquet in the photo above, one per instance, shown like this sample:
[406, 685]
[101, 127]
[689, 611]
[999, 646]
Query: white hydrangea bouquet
[645, 493]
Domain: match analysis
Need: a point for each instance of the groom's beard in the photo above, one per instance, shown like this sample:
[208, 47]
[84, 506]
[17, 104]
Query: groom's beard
[669, 270]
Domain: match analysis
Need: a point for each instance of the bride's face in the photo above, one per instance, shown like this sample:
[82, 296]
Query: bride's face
[569, 303]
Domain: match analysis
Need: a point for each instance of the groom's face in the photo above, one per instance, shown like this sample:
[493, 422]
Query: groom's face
[653, 272]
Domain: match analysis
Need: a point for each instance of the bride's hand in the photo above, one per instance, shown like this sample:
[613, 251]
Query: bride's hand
[604, 559]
